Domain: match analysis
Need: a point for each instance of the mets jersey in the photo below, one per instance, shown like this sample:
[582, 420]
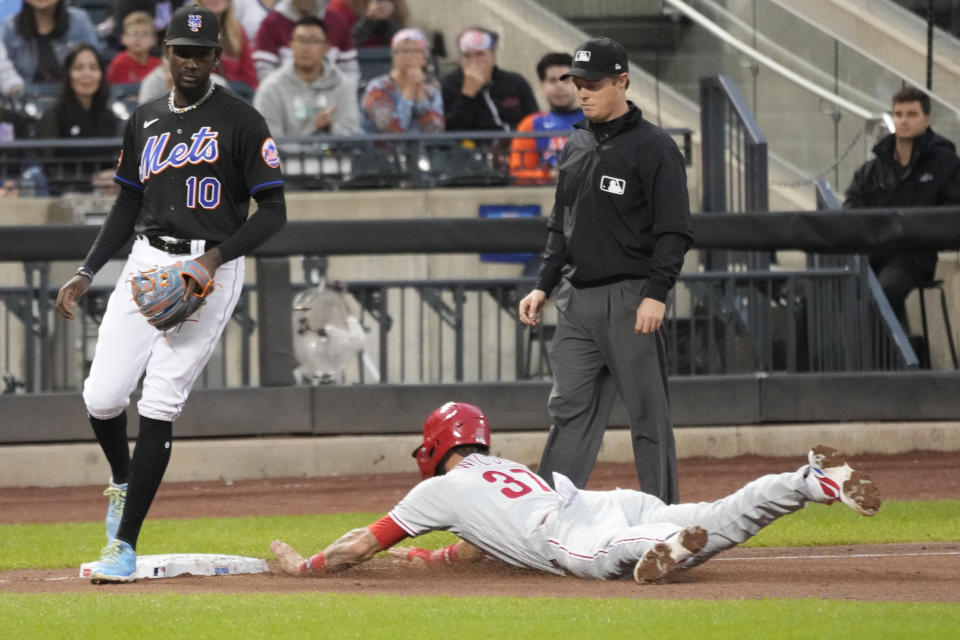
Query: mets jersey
[198, 168]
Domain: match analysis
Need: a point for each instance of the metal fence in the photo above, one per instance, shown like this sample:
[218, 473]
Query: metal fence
[386, 160]
[734, 165]
[438, 331]
[882, 336]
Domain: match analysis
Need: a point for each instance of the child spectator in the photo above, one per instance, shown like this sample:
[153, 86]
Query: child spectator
[404, 99]
[132, 65]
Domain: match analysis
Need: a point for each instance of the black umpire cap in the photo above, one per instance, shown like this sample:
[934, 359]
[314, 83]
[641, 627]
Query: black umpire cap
[193, 26]
[597, 59]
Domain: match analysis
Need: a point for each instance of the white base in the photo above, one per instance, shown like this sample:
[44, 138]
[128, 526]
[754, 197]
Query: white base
[169, 565]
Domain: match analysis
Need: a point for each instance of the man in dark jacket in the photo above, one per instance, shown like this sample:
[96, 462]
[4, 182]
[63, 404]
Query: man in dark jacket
[616, 240]
[913, 167]
[480, 95]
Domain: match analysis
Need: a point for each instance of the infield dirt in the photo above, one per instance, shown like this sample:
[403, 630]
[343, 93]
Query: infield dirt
[914, 572]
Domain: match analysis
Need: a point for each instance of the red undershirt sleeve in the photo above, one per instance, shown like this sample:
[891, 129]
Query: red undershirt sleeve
[387, 532]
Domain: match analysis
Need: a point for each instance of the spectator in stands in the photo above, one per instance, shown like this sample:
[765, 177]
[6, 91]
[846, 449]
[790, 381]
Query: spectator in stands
[10, 81]
[406, 98]
[534, 160]
[39, 37]
[160, 10]
[132, 65]
[272, 45]
[236, 61]
[480, 95]
[372, 22]
[159, 82]
[913, 167]
[250, 13]
[308, 94]
[82, 110]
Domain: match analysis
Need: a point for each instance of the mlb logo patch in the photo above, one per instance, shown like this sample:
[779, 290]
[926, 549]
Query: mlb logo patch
[194, 22]
[582, 56]
[616, 186]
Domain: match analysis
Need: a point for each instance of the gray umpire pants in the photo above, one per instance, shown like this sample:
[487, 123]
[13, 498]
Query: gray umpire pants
[594, 356]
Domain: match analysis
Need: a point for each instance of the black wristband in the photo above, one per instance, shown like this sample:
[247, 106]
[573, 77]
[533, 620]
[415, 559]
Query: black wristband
[85, 271]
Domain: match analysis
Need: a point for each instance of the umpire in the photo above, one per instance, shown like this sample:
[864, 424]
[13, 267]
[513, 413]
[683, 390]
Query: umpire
[616, 239]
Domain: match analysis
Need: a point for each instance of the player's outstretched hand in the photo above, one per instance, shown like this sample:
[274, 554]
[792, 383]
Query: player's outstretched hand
[70, 294]
[289, 559]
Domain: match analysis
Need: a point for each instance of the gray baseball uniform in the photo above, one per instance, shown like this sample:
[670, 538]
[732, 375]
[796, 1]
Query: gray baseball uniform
[505, 509]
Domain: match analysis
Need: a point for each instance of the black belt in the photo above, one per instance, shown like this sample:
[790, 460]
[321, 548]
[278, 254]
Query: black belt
[177, 247]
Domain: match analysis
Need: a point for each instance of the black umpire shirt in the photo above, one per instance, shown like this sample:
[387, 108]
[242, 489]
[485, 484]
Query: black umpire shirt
[621, 209]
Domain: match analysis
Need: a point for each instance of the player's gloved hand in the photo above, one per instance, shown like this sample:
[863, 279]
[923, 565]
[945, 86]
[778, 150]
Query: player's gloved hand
[162, 296]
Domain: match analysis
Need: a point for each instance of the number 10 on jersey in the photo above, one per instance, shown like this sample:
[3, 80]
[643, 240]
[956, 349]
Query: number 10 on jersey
[205, 191]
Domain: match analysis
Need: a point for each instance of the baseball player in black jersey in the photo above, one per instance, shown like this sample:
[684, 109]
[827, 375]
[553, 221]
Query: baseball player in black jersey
[190, 162]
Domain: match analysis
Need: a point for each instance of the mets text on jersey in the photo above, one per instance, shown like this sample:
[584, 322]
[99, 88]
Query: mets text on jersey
[203, 148]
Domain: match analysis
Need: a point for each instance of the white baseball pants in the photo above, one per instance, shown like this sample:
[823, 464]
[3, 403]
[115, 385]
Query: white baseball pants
[602, 534]
[129, 347]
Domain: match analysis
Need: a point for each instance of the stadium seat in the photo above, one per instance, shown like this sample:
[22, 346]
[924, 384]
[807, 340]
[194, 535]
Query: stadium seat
[458, 166]
[374, 61]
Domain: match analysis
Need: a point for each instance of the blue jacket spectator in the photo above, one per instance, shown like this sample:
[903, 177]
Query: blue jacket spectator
[39, 37]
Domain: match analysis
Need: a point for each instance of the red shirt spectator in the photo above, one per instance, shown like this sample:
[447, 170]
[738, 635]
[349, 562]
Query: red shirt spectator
[272, 45]
[240, 68]
[125, 70]
[134, 63]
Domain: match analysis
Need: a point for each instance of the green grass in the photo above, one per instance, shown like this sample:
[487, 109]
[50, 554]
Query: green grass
[306, 615]
[52, 546]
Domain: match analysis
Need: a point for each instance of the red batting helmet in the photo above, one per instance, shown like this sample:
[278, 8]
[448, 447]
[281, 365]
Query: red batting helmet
[453, 424]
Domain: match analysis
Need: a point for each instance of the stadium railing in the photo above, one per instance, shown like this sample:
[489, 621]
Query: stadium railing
[363, 161]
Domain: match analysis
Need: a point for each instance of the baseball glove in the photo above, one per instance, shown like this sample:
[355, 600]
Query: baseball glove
[159, 293]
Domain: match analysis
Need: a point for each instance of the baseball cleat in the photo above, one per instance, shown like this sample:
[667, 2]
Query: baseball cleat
[663, 557]
[118, 563]
[836, 480]
[118, 498]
